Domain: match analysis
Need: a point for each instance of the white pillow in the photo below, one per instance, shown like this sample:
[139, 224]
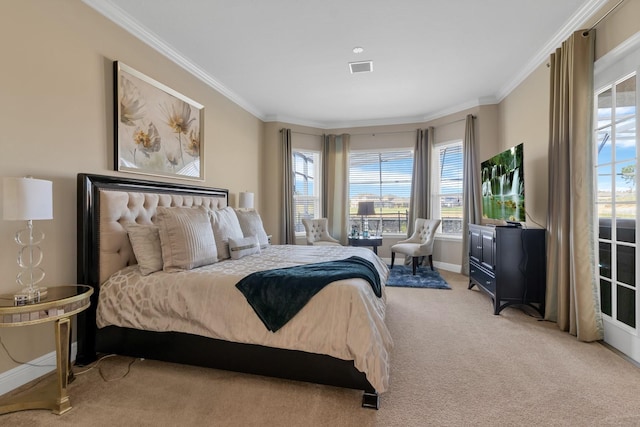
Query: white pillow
[186, 238]
[225, 225]
[243, 247]
[251, 225]
[145, 241]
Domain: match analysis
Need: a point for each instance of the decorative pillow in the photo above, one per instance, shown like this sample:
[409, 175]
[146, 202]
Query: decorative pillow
[243, 247]
[225, 226]
[186, 238]
[145, 241]
[251, 225]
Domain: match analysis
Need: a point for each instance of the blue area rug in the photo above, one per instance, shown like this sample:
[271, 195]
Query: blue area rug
[400, 275]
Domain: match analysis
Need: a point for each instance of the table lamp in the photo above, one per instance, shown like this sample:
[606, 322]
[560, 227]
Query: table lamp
[245, 200]
[28, 199]
[364, 210]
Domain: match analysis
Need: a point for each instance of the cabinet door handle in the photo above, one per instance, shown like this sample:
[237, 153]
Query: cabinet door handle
[488, 282]
[478, 247]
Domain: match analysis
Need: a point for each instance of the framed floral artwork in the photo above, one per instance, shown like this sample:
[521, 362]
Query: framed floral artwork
[158, 131]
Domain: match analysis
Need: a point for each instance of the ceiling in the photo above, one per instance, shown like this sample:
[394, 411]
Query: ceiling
[287, 60]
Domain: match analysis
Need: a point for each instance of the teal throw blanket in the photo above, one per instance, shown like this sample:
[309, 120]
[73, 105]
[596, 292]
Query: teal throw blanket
[277, 295]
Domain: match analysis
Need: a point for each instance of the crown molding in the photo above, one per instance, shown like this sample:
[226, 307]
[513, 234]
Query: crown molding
[574, 23]
[617, 53]
[485, 100]
[122, 19]
[112, 12]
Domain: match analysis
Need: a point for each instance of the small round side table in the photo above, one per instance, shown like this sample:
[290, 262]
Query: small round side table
[59, 304]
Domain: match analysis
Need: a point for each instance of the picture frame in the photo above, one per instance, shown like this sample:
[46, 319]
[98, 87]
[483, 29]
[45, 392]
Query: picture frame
[158, 131]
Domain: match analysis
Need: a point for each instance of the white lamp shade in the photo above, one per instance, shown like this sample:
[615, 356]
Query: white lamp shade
[245, 201]
[27, 198]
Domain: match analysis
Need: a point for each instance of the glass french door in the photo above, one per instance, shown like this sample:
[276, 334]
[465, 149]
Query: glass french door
[617, 209]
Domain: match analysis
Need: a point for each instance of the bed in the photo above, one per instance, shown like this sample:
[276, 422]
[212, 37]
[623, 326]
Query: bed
[338, 338]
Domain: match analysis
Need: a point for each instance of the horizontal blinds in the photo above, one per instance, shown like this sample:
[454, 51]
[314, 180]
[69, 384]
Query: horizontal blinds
[450, 169]
[383, 177]
[448, 188]
[378, 175]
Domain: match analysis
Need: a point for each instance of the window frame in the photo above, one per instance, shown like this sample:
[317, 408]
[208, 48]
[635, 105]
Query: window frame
[436, 181]
[380, 201]
[316, 198]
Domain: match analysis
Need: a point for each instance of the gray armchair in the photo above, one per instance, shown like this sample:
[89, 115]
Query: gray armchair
[420, 244]
[318, 232]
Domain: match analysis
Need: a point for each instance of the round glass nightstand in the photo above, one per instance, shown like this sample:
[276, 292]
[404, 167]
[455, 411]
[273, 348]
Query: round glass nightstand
[59, 304]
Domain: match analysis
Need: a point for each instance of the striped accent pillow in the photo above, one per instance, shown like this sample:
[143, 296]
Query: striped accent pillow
[186, 238]
[243, 247]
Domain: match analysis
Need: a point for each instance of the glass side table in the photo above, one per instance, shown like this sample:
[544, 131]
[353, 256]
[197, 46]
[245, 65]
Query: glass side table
[60, 303]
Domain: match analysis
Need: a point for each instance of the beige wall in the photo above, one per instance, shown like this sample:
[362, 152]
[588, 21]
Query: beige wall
[620, 25]
[56, 116]
[447, 128]
[523, 118]
[523, 115]
[56, 108]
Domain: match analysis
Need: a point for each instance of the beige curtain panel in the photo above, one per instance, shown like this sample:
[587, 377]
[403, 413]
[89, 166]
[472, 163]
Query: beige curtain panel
[288, 233]
[420, 201]
[335, 184]
[471, 189]
[572, 289]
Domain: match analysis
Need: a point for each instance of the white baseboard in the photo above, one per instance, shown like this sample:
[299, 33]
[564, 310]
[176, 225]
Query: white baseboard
[23, 374]
[447, 266]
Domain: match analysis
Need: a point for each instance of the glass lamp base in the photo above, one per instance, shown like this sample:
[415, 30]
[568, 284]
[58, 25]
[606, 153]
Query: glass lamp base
[29, 296]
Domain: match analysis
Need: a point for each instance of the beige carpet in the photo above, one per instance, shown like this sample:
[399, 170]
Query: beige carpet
[454, 364]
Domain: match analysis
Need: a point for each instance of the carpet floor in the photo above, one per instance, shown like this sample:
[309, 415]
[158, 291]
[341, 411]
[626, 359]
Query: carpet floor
[402, 275]
[454, 363]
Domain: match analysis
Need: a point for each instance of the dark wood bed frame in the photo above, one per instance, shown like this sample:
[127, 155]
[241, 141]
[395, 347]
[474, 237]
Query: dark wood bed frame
[181, 347]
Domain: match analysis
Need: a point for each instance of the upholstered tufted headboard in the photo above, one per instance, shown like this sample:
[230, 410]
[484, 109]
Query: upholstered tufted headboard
[106, 203]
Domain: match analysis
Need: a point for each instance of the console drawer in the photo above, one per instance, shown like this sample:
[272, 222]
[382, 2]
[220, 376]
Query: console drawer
[482, 277]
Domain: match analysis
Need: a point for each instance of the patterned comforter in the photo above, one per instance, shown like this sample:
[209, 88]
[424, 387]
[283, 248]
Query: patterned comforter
[344, 320]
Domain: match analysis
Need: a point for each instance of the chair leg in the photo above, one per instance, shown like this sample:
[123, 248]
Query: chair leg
[431, 261]
[415, 264]
[393, 258]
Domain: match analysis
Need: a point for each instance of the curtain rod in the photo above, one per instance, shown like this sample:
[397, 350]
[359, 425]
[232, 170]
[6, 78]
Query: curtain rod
[305, 133]
[365, 133]
[455, 121]
[604, 16]
[384, 133]
[412, 131]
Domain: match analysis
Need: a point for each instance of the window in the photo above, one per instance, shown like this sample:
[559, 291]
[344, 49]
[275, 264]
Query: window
[616, 198]
[383, 177]
[306, 186]
[446, 186]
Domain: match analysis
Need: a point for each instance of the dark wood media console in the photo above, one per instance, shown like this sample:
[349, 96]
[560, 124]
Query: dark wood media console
[509, 264]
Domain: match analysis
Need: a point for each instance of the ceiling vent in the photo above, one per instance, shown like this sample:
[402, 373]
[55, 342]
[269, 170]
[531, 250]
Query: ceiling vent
[361, 67]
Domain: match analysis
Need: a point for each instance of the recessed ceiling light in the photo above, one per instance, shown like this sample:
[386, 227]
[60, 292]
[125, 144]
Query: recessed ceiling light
[358, 49]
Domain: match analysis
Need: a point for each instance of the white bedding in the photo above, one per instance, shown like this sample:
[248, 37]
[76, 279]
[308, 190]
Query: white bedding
[344, 320]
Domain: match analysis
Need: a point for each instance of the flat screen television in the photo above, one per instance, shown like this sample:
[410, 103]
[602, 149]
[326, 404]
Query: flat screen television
[503, 186]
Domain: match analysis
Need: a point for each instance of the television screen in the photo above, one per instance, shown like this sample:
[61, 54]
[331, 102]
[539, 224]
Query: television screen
[503, 186]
